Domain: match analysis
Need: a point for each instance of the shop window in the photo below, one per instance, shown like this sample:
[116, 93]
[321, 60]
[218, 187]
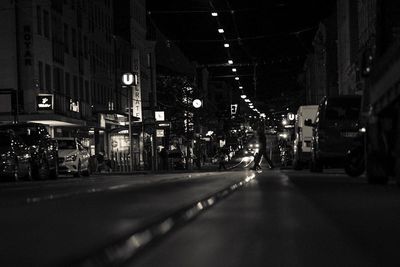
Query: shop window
[66, 39]
[74, 44]
[48, 77]
[46, 24]
[40, 69]
[75, 87]
[39, 20]
[67, 84]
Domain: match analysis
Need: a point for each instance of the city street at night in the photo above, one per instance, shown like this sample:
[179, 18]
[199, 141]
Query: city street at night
[279, 218]
[199, 133]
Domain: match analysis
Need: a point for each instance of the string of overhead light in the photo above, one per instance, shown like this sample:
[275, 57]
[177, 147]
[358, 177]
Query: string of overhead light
[230, 62]
[240, 39]
[226, 44]
[198, 11]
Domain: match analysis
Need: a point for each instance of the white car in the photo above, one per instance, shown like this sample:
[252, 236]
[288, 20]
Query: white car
[73, 158]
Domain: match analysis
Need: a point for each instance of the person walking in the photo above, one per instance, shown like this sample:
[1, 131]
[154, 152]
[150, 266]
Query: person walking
[262, 140]
[221, 159]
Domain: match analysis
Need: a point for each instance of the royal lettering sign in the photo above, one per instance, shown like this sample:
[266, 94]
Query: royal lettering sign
[44, 102]
[28, 57]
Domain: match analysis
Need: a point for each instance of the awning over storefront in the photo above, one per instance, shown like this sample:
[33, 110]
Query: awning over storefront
[49, 119]
[113, 117]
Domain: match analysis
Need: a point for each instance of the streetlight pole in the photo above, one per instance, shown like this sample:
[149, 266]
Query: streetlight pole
[130, 127]
[130, 81]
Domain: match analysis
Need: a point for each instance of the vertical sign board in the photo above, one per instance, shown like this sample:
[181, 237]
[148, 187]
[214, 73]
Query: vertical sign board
[137, 102]
[136, 92]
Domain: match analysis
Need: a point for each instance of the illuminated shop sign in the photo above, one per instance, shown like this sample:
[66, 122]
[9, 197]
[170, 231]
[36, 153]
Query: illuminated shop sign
[160, 133]
[137, 102]
[159, 115]
[130, 79]
[73, 106]
[234, 109]
[45, 102]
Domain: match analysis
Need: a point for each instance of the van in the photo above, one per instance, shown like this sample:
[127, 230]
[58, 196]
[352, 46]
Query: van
[335, 128]
[303, 136]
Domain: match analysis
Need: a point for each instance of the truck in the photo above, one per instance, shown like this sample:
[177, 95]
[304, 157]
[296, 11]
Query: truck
[303, 136]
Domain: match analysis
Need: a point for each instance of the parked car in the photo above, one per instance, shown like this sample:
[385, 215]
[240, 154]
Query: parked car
[15, 157]
[73, 157]
[43, 148]
[335, 129]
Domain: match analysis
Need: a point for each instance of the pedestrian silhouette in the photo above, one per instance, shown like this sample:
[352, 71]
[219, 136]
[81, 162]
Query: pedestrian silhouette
[221, 159]
[262, 140]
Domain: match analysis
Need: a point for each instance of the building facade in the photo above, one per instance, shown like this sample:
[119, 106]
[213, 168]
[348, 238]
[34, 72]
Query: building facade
[321, 69]
[65, 61]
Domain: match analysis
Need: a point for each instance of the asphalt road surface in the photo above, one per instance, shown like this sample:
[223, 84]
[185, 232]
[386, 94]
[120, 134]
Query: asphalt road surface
[278, 218]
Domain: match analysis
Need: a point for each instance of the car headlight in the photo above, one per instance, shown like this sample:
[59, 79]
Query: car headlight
[70, 158]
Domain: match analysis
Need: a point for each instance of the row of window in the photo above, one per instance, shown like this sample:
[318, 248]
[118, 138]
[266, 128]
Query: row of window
[70, 85]
[73, 40]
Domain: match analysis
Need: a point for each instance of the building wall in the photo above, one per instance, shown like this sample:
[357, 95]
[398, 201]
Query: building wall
[102, 54]
[64, 48]
[347, 46]
[8, 47]
[321, 66]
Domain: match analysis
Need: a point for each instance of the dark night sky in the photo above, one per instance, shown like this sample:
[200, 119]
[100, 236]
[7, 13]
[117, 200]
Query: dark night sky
[277, 34]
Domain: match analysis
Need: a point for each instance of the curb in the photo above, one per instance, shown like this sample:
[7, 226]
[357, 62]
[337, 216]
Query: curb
[125, 249]
[211, 168]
